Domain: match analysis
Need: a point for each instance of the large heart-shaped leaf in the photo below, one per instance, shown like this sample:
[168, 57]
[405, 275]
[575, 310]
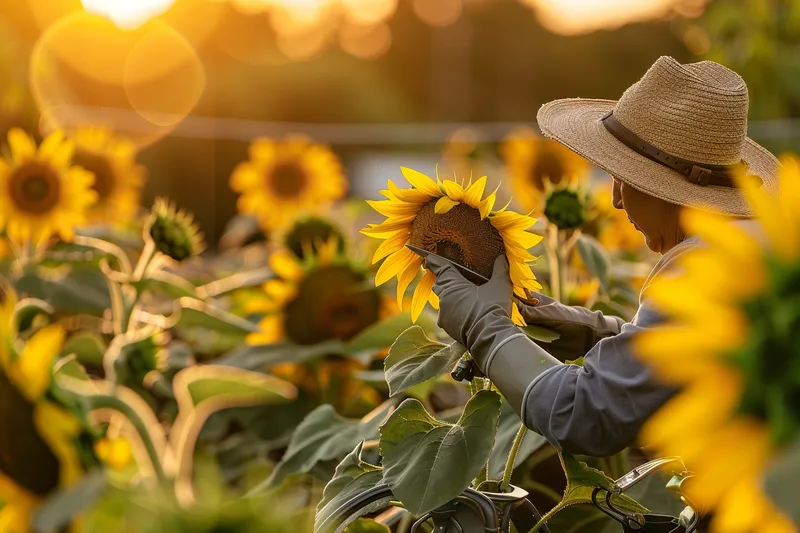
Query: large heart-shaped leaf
[506, 433]
[72, 289]
[323, 436]
[427, 462]
[782, 481]
[414, 358]
[595, 258]
[353, 476]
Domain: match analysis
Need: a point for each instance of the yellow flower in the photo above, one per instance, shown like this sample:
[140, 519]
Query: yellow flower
[41, 194]
[321, 298]
[730, 342]
[118, 179]
[116, 452]
[37, 449]
[533, 162]
[454, 221]
[285, 178]
[173, 231]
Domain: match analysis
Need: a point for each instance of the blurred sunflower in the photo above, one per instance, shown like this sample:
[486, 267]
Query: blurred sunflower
[731, 341]
[284, 178]
[533, 162]
[173, 231]
[454, 221]
[307, 236]
[41, 194]
[323, 297]
[118, 179]
[37, 450]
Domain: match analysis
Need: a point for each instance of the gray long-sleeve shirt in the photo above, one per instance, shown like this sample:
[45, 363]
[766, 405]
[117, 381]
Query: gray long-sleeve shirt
[598, 409]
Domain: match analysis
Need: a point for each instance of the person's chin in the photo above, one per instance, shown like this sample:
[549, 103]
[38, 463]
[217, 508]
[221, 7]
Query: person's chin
[654, 244]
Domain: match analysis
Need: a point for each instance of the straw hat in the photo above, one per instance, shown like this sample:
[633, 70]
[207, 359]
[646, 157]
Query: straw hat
[679, 134]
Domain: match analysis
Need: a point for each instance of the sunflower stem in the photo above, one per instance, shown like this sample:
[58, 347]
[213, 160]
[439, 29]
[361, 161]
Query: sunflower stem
[144, 259]
[551, 245]
[512, 458]
[547, 517]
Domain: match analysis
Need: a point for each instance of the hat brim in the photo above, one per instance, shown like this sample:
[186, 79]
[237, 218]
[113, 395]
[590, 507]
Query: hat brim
[576, 123]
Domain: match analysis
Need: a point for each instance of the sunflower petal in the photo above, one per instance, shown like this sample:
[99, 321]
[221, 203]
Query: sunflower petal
[444, 204]
[408, 195]
[405, 278]
[22, 146]
[34, 368]
[391, 208]
[272, 330]
[474, 193]
[422, 294]
[286, 266]
[421, 182]
[453, 189]
[390, 246]
[486, 205]
[394, 264]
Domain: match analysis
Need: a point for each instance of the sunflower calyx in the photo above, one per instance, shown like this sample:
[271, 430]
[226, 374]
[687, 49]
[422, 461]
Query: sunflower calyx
[173, 231]
[565, 208]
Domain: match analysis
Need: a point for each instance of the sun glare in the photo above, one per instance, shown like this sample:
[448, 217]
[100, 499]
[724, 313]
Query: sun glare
[127, 14]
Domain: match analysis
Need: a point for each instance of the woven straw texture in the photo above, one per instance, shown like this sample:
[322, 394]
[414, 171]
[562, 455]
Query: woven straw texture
[696, 111]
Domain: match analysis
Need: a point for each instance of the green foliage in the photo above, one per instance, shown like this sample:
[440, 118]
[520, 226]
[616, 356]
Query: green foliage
[565, 208]
[506, 432]
[353, 476]
[595, 258]
[323, 436]
[415, 358]
[427, 462]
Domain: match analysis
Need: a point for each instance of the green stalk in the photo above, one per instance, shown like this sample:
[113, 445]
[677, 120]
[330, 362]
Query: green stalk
[547, 517]
[512, 457]
[553, 262]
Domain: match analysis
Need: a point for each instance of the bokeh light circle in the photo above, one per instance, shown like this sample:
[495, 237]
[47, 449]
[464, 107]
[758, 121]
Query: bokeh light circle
[367, 42]
[438, 13]
[141, 83]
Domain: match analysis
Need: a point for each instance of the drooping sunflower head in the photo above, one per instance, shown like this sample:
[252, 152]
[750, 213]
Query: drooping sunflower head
[533, 162]
[731, 341]
[309, 235]
[323, 297]
[173, 231]
[118, 179]
[41, 193]
[453, 220]
[284, 178]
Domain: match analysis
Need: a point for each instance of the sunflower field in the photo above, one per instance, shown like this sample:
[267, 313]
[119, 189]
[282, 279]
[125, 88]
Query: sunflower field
[211, 319]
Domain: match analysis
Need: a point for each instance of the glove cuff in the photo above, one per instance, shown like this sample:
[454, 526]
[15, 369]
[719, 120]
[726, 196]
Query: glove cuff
[515, 365]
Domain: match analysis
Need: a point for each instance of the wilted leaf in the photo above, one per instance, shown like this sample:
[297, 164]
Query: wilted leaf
[379, 335]
[782, 482]
[414, 358]
[57, 511]
[595, 258]
[506, 433]
[427, 462]
[323, 436]
[353, 476]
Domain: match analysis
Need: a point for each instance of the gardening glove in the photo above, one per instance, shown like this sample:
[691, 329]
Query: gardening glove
[579, 328]
[479, 317]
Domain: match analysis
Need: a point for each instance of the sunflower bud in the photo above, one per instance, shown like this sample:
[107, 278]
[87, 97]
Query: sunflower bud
[309, 235]
[173, 231]
[565, 209]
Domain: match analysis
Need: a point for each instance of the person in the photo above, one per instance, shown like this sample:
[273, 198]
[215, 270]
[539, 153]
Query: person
[674, 138]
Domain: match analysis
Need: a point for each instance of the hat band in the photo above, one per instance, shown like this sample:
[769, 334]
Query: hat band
[698, 173]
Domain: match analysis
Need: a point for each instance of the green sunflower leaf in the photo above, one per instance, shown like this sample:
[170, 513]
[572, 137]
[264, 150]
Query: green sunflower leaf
[324, 436]
[541, 334]
[415, 358]
[168, 284]
[209, 329]
[782, 481]
[70, 289]
[88, 347]
[427, 462]
[595, 258]
[261, 356]
[57, 511]
[352, 477]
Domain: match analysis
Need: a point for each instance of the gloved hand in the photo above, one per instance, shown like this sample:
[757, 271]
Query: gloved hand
[479, 317]
[579, 328]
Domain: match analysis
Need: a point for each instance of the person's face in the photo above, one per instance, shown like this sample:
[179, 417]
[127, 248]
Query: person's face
[656, 219]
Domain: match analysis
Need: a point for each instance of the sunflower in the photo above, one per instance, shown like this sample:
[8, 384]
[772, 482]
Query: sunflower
[41, 194]
[533, 162]
[324, 297]
[173, 231]
[454, 221]
[731, 341]
[118, 179]
[308, 235]
[284, 178]
[37, 450]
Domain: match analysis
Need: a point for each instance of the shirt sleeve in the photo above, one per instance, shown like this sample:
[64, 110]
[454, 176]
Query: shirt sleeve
[599, 408]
